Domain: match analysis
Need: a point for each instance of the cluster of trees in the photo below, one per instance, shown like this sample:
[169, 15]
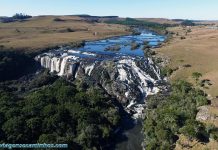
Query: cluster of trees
[14, 65]
[166, 71]
[167, 116]
[187, 23]
[58, 113]
[6, 19]
[135, 22]
[21, 16]
[17, 16]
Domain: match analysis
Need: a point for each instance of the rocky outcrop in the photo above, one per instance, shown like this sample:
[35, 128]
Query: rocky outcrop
[203, 114]
[129, 79]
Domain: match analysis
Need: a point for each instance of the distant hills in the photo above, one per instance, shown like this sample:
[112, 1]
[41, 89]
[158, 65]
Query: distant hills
[89, 16]
[20, 16]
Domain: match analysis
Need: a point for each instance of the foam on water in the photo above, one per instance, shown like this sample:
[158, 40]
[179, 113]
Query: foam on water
[65, 62]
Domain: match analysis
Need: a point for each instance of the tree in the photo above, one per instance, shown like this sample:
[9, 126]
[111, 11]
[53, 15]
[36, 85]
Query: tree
[47, 138]
[188, 23]
[58, 113]
[21, 16]
[167, 116]
[14, 130]
[89, 136]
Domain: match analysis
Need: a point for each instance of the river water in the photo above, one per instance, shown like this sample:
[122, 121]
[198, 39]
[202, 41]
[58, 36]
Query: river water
[129, 136]
[124, 42]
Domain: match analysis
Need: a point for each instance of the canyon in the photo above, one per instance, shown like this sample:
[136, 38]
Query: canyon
[125, 74]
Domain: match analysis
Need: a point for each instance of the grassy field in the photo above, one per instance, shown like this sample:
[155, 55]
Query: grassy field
[160, 20]
[195, 47]
[199, 50]
[41, 32]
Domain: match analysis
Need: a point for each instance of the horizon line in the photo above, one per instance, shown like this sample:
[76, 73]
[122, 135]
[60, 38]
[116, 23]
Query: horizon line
[114, 15]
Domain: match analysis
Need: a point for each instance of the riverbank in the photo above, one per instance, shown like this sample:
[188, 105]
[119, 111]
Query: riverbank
[194, 49]
[128, 64]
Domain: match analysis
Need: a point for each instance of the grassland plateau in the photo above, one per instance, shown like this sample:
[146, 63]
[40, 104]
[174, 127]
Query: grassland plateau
[41, 32]
[194, 49]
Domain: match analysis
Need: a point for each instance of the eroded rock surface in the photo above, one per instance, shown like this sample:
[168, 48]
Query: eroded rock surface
[130, 79]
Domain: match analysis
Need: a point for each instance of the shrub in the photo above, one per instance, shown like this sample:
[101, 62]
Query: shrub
[189, 30]
[158, 60]
[166, 71]
[77, 44]
[58, 19]
[194, 130]
[182, 37]
[188, 23]
[214, 135]
[196, 76]
[153, 53]
[168, 115]
[201, 101]
[70, 30]
[67, 30]
[187, 65]
[212, 130]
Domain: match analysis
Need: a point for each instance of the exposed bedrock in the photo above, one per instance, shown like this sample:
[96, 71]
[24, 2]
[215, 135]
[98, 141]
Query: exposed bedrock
[129, 79]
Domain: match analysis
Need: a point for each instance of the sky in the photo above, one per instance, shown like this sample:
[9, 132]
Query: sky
[172, 9]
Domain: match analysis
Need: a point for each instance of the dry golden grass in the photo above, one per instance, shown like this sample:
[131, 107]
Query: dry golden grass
[199, 49]
[185, 144]
[160, 20]
[42, 32]
[175, 22]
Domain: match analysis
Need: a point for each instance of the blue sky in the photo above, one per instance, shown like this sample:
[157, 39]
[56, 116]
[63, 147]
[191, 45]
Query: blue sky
[185, 9]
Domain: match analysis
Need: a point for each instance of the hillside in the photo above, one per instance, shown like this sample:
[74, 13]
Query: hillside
[160, 20]
[194, 49]
[41, 32]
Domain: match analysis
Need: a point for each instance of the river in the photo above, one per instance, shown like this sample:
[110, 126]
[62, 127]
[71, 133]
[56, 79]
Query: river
[124, 42]
[66, 61]
[130, 136]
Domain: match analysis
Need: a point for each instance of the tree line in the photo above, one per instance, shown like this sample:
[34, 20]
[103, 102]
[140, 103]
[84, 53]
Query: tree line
[62, 112]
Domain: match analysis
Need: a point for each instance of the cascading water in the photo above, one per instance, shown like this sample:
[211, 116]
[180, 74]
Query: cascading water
[125, 73]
